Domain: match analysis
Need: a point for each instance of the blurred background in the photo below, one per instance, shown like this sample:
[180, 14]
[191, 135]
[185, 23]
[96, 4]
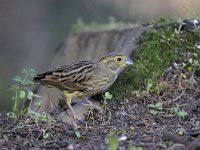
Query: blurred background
[31, 30]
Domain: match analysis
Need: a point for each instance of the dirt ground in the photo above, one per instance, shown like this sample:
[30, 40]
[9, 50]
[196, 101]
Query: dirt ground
[174, 123]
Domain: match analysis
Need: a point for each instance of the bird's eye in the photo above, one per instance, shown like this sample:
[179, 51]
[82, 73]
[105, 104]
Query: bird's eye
[119, 59]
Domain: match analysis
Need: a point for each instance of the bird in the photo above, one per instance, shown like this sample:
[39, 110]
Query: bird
[84, 78]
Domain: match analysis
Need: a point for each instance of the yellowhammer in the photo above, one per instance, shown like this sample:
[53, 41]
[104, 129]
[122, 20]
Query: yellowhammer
[85, 78]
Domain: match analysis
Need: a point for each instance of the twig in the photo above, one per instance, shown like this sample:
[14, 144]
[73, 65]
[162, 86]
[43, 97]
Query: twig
[183, 92]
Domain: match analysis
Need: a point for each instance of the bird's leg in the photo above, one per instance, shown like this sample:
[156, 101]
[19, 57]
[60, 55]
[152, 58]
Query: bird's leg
[68, 99]
[73, 112]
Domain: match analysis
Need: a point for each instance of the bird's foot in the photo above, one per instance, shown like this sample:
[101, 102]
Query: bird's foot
[72, 113]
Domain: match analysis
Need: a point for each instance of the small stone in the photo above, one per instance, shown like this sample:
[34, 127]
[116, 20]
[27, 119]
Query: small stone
[195, 22]
[198, 46]
[168, 69]
[176, 65]
[123, 138]
[70, 147]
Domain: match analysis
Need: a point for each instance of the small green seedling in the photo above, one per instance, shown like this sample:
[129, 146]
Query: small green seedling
[194, 65]
[11, 115]
[155, 108]
[108, 96]
[78, 135]
[178, 112]
[42, 117]
[22, 92]
[45, 134]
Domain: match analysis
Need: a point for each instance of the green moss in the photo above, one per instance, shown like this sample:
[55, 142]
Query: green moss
[160, 48]
[81, 26]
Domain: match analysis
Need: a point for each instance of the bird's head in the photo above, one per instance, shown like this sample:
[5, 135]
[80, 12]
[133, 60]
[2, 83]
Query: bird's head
[116, 62]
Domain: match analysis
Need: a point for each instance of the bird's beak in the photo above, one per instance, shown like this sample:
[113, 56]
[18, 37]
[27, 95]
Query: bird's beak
[129, 62]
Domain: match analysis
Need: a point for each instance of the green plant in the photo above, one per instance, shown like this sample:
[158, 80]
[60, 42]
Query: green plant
[159, 49]
[107, 96]
[149, 86]
[22, 92]
[78, 135]
[195, 122]
[193, 67]
[152, 86]
[113, 142]
[41, 117]
[179, 112]
[154, 109]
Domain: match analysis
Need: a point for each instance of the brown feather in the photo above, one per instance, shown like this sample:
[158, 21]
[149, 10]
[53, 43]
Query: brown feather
[71, 78]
